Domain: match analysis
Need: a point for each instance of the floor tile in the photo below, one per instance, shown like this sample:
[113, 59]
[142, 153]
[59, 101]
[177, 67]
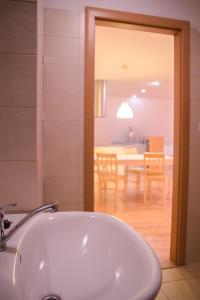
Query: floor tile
[161, 296]
[176, 274]
[187, 289]
[194, 269]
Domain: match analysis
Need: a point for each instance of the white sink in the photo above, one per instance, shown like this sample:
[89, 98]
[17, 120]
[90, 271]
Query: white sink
[83, 256]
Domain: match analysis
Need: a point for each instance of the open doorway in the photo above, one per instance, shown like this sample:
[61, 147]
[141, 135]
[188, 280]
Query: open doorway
[180, 31]
[126, 74]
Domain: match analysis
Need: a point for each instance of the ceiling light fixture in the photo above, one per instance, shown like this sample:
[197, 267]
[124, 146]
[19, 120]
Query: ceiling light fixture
[143, 91]
[124, 111]
[155, 83]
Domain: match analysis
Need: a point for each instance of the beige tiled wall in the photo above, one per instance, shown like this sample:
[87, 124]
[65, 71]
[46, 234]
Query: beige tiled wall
[18, 27]
[193, 228]
[18, 175]
[63, 121]
[18, 183]
[39, 134]
[18, 80]
[63, 115]
[18, 134]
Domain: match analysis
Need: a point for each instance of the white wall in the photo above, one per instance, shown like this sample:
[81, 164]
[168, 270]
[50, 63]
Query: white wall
[177, 9]
[153, 116]
[63, 100]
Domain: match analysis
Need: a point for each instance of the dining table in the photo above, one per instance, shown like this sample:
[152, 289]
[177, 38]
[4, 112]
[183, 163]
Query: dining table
[138, 159]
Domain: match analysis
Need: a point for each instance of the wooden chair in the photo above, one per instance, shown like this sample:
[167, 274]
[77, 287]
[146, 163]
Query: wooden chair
[135, 173]
[108, 171]
[154, 171]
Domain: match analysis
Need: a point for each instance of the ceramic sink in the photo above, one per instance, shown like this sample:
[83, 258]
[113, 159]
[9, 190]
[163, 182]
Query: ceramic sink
[83, 256]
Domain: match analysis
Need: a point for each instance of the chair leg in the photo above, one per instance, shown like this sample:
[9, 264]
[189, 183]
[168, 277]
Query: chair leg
[164, 189]
[105, 190]
[116, 192]
[99, 190]
[126, 188]
[102, 189]
[138, 182]
[146, 189]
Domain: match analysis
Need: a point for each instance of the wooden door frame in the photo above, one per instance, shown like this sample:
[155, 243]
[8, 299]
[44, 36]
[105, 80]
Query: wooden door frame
[180, 30]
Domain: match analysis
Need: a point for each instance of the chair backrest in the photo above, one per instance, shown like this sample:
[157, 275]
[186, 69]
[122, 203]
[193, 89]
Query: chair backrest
[154, 163]
[106, 163]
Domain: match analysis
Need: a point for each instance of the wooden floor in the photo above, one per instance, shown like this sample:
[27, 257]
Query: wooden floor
[152, 220]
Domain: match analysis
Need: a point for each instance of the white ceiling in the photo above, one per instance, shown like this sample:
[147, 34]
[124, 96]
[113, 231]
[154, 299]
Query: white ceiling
[137, 56]
[128, 88]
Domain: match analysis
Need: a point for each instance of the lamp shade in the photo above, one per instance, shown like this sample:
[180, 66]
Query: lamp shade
[124, 111]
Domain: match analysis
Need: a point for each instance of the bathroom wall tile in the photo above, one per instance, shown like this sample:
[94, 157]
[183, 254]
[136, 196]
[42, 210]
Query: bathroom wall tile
[62, 134]
[82, 61]
[61, 22]
[63, 106]
[195, 87]
[82, 104]
[18, 27]
[194, 161]
[39, 127]
[61, 50]
[40, 31]
[62, 162]
[82, 25]
[194, 40]
[194, 135]
[18, 80]
[61, 78]
[193, 207]
[194, 187]
[182, 289]
[82, 189]
[40, 47]
[194, 269]
[17, 134]
[194, 111]
[40, 59]
[31, 1]
[82, 154]
[195, 64]
[65, 190]
[193, 230]
[192, 252]
[70, 207]
[18, 183]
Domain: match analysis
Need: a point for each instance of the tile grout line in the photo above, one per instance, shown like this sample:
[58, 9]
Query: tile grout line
[180, 279]
[165, 294]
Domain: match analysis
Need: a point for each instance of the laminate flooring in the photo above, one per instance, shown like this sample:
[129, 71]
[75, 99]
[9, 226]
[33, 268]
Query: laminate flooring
[151, 219]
